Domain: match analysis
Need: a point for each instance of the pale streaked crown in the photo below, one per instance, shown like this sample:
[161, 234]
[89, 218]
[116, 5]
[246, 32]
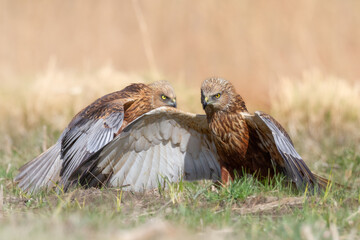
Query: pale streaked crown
[164, 94]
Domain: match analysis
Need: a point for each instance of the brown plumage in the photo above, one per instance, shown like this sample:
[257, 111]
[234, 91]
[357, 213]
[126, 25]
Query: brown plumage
[167, 145]
[90, 130]
[256, 144]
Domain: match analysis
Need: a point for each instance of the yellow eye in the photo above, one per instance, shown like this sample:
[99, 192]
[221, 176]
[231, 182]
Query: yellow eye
[163, 97]
[217, 95]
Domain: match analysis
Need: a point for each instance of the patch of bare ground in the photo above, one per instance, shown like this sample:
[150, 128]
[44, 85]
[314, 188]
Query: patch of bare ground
[128, 203]
[269, 205]
[152, 203]
[104, 198]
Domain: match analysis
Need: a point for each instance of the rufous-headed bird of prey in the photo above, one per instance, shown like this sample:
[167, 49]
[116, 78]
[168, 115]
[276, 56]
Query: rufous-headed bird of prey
[90, 130]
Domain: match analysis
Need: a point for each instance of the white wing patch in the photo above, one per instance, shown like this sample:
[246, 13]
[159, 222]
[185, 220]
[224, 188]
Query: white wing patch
[162, 144]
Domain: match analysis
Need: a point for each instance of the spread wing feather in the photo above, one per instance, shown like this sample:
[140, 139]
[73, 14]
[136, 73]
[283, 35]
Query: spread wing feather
[164, 143]
[43, 171]
[278, 143]
[86, 136]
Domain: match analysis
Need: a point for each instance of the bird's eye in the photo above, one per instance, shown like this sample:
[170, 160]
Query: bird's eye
[217, 95]
[163, 97]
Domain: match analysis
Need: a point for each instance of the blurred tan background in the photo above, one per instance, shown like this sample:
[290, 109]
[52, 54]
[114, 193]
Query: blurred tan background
[252, 43]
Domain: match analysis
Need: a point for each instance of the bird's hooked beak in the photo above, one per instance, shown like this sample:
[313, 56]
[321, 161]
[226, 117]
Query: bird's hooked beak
[173, 102]
[205, 102]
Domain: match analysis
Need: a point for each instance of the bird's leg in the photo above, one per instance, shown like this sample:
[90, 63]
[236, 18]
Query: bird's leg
[225, 176]
[225, 180]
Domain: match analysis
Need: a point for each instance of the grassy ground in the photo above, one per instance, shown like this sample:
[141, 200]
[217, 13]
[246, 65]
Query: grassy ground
[247, 208]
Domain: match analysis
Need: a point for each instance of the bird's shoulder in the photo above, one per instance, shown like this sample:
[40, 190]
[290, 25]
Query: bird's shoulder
[113, 102]
[263, 118]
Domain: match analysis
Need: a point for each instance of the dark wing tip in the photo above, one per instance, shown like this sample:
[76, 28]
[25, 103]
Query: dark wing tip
[295, 167]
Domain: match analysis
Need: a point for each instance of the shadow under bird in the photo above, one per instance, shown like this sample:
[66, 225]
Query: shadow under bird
[164, 141]
[90, 130]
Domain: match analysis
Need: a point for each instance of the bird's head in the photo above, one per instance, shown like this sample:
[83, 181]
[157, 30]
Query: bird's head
[217, 94]
[164, 94]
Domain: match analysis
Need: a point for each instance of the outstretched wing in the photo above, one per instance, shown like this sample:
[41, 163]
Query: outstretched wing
[87, 133]
[43, 171]
[277, 142]
[163, 144]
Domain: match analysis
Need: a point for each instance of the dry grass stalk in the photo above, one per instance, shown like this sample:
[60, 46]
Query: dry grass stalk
[320, 112]
[283, 203]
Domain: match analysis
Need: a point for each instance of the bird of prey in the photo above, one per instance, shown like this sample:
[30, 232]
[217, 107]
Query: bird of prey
[253, 143]
[172, 144]
[90, 130]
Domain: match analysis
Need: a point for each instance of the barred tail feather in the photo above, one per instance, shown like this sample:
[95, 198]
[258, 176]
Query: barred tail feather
[41, 172]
